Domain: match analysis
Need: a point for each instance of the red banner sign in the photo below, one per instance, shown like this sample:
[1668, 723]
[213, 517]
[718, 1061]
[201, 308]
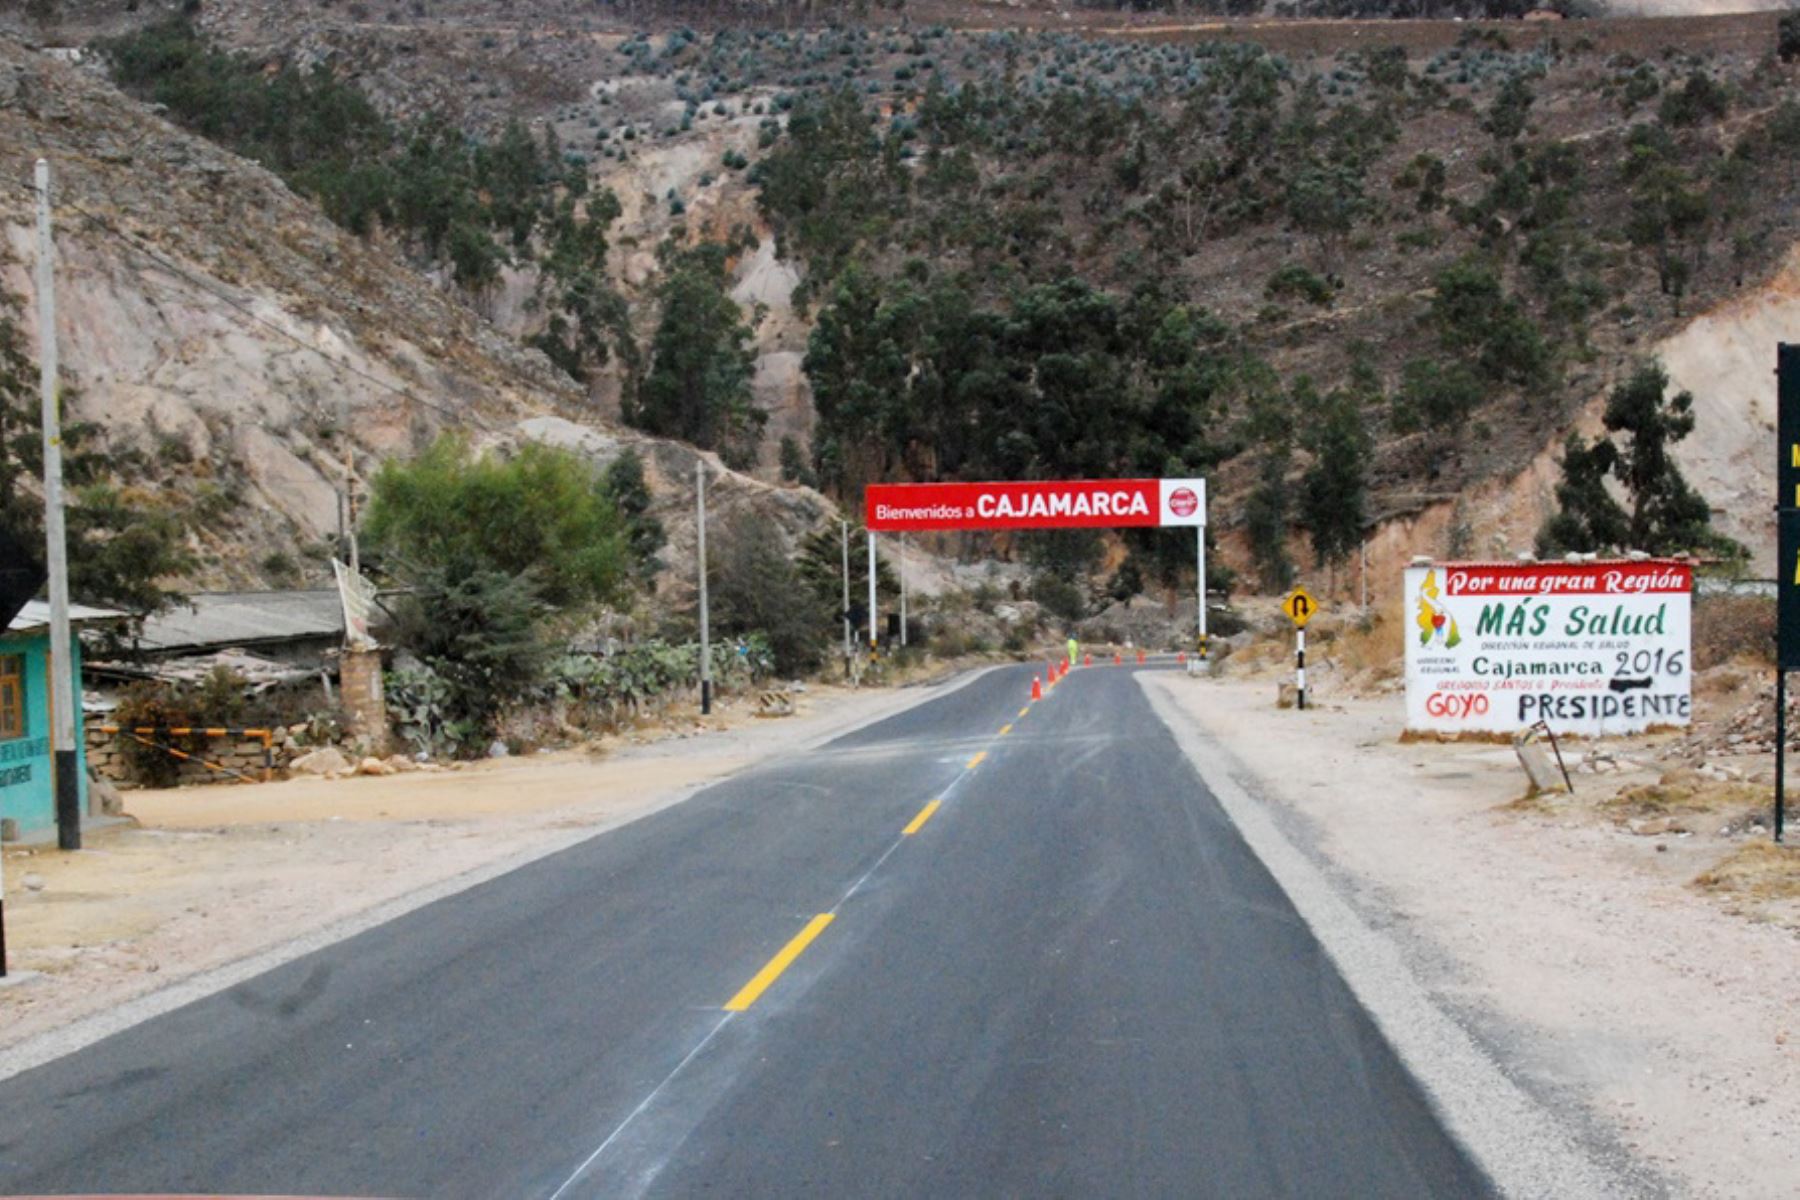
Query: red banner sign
[1554, 578]
[1067, 504]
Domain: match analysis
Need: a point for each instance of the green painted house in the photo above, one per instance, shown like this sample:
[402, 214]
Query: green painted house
[27, 787]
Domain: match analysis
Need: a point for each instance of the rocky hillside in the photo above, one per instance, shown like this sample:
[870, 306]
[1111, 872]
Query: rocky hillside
[1605, 180]
[248, 356]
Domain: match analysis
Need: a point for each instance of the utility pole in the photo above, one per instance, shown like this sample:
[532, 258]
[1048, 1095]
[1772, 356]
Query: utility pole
[874, 637]
[705, 632]
[849, 647]
[63, 678]
[348, 500]
[903, 589]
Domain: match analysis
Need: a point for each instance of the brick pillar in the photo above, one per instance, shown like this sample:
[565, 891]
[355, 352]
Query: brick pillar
[359, 680]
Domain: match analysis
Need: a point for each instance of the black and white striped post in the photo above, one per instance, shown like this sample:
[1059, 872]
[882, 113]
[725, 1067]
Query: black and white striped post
[1300, 667]
[1299, 607]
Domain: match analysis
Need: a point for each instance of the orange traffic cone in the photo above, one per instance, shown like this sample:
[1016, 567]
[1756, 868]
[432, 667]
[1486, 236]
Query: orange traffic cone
[1118, 659]
[1140, 658]
[1037, 688]
[1087, 660]
[1182, 657]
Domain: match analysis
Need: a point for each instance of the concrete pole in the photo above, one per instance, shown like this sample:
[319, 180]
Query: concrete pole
[903, 589]
[844, 540]
[1200, 586]
[349, 497]
[874, 636]
[63, 679]
[705, 630]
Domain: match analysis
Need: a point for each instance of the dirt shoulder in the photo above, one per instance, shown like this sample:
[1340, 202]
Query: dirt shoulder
[1583, 956]
[212, 876]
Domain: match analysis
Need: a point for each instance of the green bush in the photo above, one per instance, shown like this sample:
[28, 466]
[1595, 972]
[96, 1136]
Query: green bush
[543, 512]
[1296, 282]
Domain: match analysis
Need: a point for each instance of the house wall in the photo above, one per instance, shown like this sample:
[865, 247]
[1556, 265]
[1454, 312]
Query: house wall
[27, 784]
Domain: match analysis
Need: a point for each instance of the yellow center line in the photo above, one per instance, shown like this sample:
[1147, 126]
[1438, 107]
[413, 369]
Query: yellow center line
[976, 761]
[918, 822]
[1024, 710]
[771, 972]
[1005, 729]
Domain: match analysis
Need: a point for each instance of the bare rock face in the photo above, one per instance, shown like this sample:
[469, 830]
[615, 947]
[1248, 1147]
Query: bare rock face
[260, 358]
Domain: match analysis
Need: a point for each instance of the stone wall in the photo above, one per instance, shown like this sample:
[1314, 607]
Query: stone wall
[107, 757]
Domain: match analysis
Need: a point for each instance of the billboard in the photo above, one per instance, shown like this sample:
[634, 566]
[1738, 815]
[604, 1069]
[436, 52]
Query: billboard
[1591, 648]
[1067, 504]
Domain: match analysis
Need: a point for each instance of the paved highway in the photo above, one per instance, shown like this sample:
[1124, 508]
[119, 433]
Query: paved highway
[976, 949]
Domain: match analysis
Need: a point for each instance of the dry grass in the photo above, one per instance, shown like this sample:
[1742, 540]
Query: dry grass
[1757, 871]
[1733, 629]
[1371, 652]
[1688, 792]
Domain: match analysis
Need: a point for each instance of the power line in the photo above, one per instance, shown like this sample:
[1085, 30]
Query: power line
[208, 287]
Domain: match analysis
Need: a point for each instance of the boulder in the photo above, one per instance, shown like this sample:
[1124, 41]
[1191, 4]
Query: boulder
[372, 766]
[324, 761]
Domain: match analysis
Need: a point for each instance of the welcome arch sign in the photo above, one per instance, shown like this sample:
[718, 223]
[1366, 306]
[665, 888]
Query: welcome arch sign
[902, 508]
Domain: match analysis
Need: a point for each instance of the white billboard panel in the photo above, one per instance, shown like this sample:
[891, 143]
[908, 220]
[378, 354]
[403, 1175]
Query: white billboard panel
[1591, 648]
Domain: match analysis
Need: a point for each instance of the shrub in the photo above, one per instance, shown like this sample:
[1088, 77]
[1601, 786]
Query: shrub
[1296, 282]
[542, 512]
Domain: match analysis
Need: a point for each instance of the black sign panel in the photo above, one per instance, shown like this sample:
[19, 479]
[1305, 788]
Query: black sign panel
[1787, 425]
[20, 578]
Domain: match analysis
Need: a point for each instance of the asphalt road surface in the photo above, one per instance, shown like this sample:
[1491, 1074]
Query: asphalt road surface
[1068, 978]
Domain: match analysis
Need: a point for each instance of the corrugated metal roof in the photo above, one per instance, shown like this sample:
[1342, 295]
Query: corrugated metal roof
[36, 615]
[208, 620]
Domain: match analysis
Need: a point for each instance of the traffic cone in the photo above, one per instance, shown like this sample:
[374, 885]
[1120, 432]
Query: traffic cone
[1087, 660]
[1140, 658]
[1037, 688]
[1182, 657]
[1118, 659]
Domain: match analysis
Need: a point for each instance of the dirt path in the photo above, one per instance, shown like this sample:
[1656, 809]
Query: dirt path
[213, 875]
[1579, 955]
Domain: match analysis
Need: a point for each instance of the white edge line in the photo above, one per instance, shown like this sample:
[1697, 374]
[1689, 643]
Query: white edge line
[643, 1104]
[52, 1044]
[1521, 1146]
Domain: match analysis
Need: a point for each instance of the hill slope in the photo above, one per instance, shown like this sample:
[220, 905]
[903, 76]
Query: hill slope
[238, 348]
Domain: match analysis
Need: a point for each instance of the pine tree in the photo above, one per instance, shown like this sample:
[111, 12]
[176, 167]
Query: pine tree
[1334, 492]
[698, 386]
[1266, 520]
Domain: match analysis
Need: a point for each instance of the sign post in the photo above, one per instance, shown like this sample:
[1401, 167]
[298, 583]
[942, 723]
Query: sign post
[1299, 607]
[1787, 561]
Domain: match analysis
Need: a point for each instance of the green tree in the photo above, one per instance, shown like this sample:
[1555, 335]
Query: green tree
[481, 632]
[756, 588]
[1507, 115]
[698, 385]
[542, 513]
[1334, 491]
[1666, 514]
[630, 494]
[1266, 512]
[1435, 396]
[1587, 518]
